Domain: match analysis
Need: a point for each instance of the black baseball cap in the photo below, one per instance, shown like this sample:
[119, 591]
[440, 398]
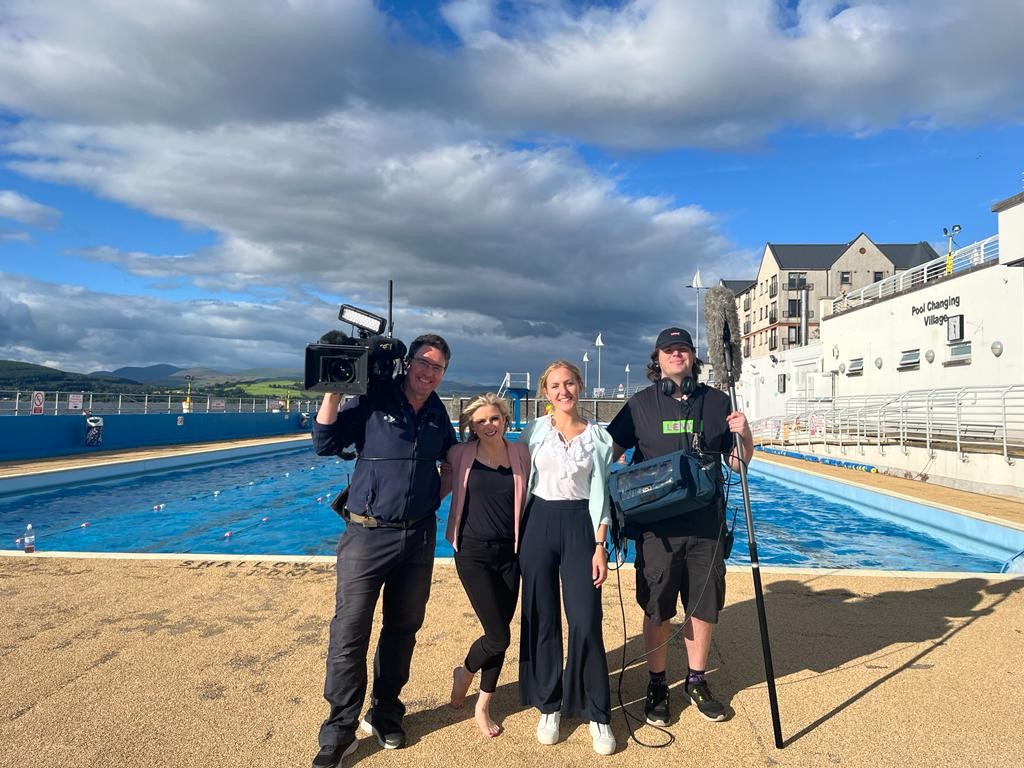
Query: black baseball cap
[671, 336]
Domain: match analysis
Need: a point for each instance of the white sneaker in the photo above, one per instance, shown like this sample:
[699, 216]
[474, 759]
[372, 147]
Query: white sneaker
[604, 739]
[547, 728]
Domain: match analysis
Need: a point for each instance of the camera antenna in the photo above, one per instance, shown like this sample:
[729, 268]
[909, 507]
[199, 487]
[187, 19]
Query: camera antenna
[391, 296]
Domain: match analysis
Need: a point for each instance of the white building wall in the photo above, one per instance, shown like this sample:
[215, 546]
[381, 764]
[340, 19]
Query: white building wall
[990, 301]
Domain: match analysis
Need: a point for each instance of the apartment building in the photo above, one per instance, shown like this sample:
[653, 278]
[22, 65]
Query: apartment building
[770, 307]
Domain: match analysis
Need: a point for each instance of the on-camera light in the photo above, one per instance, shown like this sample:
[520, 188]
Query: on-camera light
[367, 321]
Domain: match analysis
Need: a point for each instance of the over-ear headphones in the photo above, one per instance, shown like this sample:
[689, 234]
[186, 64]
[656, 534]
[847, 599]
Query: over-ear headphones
[669, 388]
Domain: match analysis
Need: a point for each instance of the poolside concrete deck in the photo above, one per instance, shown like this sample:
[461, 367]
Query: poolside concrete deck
[205, 662]
[172, 662]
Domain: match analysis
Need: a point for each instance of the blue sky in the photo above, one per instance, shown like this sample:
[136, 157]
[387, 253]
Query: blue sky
[203, 185]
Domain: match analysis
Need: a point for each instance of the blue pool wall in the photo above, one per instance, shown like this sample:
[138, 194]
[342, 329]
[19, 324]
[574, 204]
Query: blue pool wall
[1000, 542]
[32, 437]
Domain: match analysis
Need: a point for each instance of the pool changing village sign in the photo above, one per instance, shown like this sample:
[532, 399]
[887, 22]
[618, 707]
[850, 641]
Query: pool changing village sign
[929, 310]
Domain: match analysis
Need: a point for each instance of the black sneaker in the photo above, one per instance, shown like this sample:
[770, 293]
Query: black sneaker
[656, 709]
[707, 704]
[390, 737]
[331, 755]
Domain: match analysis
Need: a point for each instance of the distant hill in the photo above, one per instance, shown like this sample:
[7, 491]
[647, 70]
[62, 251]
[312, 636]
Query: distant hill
[15, 375]
[150, 374]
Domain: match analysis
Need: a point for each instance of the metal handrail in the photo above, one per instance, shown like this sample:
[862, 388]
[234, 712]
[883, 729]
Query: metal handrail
[969, 257]
[971, 418]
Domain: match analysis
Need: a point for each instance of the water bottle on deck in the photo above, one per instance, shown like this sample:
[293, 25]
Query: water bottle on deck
[29, 540]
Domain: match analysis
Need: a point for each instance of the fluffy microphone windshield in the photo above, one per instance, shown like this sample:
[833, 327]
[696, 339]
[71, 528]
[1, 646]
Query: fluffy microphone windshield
[723, 331]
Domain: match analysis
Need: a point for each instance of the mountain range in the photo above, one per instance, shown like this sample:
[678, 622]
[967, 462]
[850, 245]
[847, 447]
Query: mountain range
[21, 376]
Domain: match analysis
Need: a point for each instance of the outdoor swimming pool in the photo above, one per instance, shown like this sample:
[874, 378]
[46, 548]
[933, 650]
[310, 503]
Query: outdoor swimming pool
[279, 505]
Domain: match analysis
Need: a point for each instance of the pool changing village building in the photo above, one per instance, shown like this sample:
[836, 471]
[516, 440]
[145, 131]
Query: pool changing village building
[913, 369]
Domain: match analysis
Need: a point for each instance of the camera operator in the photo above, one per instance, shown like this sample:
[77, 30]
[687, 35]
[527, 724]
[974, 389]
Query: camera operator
[681, 556]
[401, 429]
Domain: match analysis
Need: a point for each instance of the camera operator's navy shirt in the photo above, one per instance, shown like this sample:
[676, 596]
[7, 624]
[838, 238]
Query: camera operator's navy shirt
[396, 477]
[656, 424]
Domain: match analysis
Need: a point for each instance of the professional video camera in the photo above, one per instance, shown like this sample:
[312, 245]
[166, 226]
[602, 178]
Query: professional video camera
[353, 365]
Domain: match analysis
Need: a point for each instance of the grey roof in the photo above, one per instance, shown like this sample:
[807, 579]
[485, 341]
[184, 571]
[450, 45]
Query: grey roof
[907, 255]
[818, 256]
[738, 286]
[824, 255]
[1009, 202]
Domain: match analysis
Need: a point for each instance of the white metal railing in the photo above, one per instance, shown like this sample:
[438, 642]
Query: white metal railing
[974, 255]
[22, 403]
[966, 418]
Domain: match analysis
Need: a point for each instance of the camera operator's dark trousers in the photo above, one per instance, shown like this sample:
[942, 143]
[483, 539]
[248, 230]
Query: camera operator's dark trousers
[557, 543]
[401, 562]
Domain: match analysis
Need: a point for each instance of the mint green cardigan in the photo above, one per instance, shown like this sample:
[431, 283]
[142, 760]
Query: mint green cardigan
[600, 512]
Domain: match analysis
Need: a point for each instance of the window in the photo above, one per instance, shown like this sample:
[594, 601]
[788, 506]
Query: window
[856, 367]
[959, 353]
[794, 334]
[773, 340]
[845, 278]
[878, 277]
[794, 308]
[797, 280]
[782, 383]
[910, 360]
[773, 289]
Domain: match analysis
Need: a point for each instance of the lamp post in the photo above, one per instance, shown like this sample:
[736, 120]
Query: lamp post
[627, 380]
[598, 343]
[586, 366]
[189, 378]
[696, 285]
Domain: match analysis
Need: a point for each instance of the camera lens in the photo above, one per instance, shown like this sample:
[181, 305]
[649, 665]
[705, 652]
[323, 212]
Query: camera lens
[338, 370]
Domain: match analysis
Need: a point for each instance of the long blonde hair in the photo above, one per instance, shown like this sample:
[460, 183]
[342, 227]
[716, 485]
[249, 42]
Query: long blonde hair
[577, 374]
[488, 398]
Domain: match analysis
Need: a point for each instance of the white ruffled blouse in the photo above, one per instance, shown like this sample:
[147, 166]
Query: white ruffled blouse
[564, 466]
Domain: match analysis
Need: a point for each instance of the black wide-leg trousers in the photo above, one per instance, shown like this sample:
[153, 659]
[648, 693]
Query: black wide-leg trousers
[557, 544]
[400, 562]
[489, 572]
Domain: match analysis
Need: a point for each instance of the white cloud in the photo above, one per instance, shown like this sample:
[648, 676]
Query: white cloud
[19, 208]
[649, 73]
[328, 151]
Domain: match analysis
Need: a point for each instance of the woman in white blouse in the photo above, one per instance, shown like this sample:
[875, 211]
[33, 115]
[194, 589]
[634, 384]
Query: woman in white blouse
[563, 539]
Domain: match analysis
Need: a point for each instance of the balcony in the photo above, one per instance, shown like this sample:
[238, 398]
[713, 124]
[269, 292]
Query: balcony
[773, 343]
[746, 327]
[773, 317]
[796, 316]
[746, 350]
[799, 286]
[773, 290]
[746, 304]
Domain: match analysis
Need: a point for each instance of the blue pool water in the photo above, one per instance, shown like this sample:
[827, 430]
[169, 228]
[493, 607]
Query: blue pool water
[279, 504]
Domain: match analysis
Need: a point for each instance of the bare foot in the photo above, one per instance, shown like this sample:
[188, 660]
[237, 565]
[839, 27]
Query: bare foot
[482, 716]
[462, 678]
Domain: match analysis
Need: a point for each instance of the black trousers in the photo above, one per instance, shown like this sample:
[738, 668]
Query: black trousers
[401, 563]
[489, 572]
[557, 542]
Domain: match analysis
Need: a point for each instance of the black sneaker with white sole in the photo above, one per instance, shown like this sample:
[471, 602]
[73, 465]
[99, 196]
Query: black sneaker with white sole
[656, 710]
[388, 736]
[707, 704]
[330, 756]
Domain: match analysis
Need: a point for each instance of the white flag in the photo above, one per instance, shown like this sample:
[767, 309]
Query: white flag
[696, 281]
[627, 367]
[586, 359]
[598, 342]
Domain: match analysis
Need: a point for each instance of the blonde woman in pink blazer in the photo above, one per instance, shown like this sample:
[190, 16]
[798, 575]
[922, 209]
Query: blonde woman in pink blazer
[487, 479]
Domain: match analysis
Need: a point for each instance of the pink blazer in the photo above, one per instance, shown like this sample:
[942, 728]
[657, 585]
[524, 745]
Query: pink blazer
[461, 458]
